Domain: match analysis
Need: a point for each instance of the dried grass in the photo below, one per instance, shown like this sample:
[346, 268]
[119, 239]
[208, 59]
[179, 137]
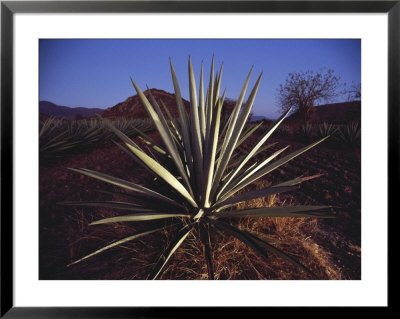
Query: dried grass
[232, 259]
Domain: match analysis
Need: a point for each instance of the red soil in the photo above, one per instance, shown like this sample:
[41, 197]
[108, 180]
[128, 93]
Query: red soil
[61, 227]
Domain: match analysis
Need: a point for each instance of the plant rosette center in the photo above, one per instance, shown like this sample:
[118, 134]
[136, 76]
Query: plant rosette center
[200, 214]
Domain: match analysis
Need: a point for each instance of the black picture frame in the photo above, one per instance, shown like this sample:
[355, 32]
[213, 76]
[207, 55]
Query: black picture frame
[9, 8]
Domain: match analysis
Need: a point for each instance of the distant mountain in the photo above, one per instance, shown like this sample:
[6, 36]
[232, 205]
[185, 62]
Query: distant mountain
[133, 107]
[336, 113]
[65, 112]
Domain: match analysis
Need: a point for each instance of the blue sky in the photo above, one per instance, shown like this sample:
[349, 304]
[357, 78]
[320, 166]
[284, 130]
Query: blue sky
[96, 73]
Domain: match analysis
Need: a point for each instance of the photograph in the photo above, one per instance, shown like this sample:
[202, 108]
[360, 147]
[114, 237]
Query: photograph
[199, 159]
[159, 156]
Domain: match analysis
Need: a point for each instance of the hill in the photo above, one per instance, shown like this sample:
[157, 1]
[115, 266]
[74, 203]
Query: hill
[336, 113]
[66, 112]
[132, 107]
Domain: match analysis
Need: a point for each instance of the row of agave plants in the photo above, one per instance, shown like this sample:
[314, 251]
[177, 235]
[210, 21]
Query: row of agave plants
[58, 137]
[349, 134]
[198, 180]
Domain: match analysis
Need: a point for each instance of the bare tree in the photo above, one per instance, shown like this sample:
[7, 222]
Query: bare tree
[302, 90]
[354, 92]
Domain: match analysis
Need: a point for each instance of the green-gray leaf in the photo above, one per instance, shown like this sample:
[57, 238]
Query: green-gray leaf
[137, 217]
[127, 185]
[173, 246]
[281, 211]
[120, 242]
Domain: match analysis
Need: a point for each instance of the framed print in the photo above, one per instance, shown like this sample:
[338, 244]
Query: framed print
[244, 149]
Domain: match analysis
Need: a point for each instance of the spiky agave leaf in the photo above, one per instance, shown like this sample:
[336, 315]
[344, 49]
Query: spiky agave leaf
[198, 163]
[173, 246]
[280, 253]
[253, 150]
[205, 239]
[242, 236]
[233, 138]
[250, 179]
[268, 191]
[138, 217]
[280, 211]
[247, 134]
[122, 241]
[108, 204]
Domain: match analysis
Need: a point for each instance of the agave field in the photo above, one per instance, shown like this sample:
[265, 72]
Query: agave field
[59, 137]
[201, 197]
[349, 134]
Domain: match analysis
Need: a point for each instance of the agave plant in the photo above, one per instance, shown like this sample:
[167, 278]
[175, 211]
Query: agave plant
[326, 129]
[350, 133]
[305, 131]
[54, 138]
[58, 137]
[284, 130]
[194, 161]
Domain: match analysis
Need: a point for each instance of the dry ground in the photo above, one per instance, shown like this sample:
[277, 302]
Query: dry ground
[331, 248]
